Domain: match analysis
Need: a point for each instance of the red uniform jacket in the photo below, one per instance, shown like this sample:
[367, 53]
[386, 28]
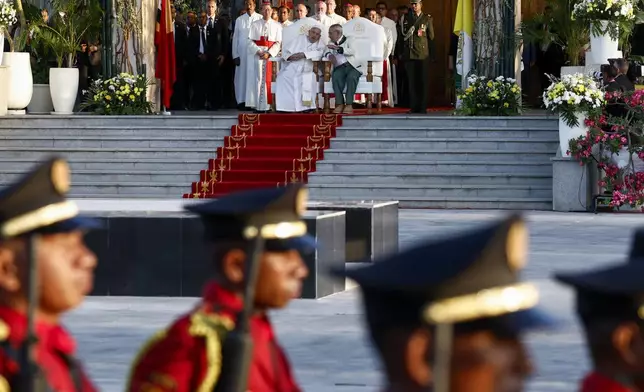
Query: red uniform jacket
[595, 382]
[54, 354]
[187, 357]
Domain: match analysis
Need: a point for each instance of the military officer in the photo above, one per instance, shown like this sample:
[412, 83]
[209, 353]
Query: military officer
[190, 355]
[418, 48]
[43, 257]
[448, 315]
[610, 307]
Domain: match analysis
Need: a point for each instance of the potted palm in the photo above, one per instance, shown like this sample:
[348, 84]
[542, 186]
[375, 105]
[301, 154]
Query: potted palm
[71, 22]
[20, 79]
[571, 35]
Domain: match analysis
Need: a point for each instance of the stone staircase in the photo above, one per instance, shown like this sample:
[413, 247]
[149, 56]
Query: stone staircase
[441, 162]
[116, 157]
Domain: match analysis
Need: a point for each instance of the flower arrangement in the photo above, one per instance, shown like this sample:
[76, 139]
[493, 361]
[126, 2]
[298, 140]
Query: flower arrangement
[124, 94]
[610, 137]
[7, 16]
[574, 94]
[490, 97]
[615, 12]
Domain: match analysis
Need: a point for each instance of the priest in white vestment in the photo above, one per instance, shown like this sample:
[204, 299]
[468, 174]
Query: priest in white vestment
[240, 49]
[296, 82]
[330, 10]
[321, 16]
[390, 26]
[265, 41]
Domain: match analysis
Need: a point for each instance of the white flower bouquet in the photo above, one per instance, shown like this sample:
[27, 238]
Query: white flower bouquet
[490, 97]
[615, 12]
[7, 16]
[574, 94]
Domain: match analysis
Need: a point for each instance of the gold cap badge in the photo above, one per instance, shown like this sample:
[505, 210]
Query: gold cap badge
[516, 246]
[60, 176]
[301, 200]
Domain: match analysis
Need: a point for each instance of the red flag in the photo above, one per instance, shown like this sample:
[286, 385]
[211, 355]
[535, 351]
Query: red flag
[164, 40]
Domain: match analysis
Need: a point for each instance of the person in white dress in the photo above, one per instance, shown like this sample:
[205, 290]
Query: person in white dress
[285, 16]
[296, 83]
[321, 16]
[330, 10]
[265, 40]
[240, 49]
[390, 26]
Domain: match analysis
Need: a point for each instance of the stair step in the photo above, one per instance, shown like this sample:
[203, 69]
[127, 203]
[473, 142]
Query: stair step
[396, 131]
[387, 155]
[456, 144]
[118, 153]
[495, 203]
[427, 190]
[402, 168]
[91, 121]
[111, 142]
[143, 177]
[435, 179]
[453, 122]
[102, 164]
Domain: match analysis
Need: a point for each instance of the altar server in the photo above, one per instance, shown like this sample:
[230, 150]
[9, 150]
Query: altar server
[240, 50]
[335, 18]
[296, 81]
[265, 41]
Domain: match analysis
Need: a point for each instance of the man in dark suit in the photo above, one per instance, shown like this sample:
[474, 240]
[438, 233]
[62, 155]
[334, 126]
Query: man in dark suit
[177, 101]
[198, 44]
[218, 42]
[189, 69]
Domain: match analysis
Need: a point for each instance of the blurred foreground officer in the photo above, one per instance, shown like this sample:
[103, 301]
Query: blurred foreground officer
[448, 315]
[203, 350]
[45, 270]
[610, 306]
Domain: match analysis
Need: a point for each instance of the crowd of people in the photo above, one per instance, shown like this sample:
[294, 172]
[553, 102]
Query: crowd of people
[226, 64]
[443, 315]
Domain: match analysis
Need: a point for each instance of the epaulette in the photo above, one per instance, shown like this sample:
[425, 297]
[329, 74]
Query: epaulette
[213, 328]
[157, 337]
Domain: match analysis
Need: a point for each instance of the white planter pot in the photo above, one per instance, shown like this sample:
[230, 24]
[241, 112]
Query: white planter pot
[566, 133]
[572, 70]
[41, 100]
[20, 79]
[1, 46]
[603, 47]
[63, 83]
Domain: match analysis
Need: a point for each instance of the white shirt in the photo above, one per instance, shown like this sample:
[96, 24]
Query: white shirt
[287, 23]
[202, 39]
[337, 19]
[339, 58]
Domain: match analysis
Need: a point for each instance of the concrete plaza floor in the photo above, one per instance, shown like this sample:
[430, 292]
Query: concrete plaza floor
[324, 338]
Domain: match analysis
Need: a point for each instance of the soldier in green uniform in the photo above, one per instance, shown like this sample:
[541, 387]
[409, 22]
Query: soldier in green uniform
[418, 35]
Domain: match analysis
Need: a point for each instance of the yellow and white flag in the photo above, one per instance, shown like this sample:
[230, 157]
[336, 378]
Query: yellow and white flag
[463, 26]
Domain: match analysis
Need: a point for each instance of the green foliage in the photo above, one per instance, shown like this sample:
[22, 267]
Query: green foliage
[124, 94]
[71, 22]
[572, 35]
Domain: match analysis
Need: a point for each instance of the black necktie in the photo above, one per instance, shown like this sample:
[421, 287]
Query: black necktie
[203, 38]
[210, 23]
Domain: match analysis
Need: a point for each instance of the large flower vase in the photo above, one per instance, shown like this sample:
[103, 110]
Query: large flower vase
[63, 85]
[603, 47]
[20, 81]
[567, 132]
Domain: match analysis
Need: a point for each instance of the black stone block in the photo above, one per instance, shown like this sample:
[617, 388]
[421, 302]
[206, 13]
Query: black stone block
[371, 227]
[328, 228]
[164, 254]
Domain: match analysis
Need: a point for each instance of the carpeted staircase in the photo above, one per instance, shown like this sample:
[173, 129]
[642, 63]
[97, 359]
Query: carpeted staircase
[267, 150]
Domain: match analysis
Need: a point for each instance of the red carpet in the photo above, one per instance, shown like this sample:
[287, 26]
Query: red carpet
[267, 150]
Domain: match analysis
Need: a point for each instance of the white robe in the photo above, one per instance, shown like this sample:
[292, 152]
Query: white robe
[390, 26]
[324, 21]
[257, 94]
[240, 50]
[337, 19]
[389, 49]
[296, 85]
[287, 23]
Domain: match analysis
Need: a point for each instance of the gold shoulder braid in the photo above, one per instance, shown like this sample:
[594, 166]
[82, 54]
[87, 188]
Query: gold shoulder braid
[158, 336]
[4, 335]
[213, 328]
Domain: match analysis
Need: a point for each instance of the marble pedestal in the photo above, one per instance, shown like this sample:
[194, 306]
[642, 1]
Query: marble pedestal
[572, 188]
[162, 254]
[371, 227]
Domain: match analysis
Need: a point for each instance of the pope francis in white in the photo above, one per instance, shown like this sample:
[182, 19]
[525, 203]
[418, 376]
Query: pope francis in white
[240, 48]
[265, 40]
[297, 84]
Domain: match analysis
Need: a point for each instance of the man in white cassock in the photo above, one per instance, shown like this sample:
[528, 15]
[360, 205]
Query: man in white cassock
[335, 18]
[296, 82]
[265, 41]
[321, 16]
[240, 49]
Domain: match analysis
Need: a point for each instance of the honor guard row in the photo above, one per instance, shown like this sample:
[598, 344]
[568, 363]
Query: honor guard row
[446, 315]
